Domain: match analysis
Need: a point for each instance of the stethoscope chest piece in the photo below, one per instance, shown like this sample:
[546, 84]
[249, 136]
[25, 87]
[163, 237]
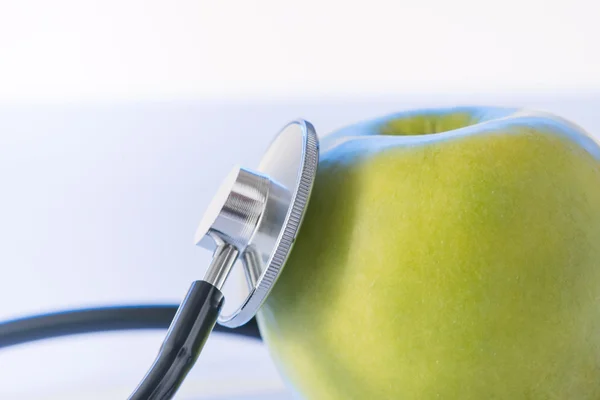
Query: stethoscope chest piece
[256, 215]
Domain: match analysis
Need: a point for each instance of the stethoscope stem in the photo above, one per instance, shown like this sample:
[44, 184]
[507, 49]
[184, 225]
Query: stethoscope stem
[221, 265]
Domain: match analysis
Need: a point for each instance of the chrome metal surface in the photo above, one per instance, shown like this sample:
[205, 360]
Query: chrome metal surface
[252, 267]
[235, 210]
[259, 213]
[221, 265]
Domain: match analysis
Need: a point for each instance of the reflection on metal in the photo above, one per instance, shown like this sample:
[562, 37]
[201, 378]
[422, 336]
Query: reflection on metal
[252, 267]
[221, 265]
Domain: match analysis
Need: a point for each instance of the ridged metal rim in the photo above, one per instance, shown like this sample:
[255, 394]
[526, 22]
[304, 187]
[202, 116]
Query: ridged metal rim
[293, 221]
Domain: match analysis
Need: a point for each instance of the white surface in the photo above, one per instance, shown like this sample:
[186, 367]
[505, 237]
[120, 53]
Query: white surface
[99, 205]
[109, 50]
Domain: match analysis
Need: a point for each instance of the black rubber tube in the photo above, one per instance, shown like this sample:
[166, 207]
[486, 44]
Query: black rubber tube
[100, 319]
[187, 335]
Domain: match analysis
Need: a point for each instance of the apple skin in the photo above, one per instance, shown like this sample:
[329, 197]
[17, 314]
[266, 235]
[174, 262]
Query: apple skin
[445, 254]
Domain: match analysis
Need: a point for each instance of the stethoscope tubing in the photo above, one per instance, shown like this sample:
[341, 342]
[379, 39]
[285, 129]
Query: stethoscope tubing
[82, 321]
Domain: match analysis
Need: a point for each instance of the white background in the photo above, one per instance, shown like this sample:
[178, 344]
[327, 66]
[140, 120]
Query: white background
[119, 118]
[69, 50]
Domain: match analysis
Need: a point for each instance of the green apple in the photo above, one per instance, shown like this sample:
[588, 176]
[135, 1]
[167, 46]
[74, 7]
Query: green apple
[446, 254]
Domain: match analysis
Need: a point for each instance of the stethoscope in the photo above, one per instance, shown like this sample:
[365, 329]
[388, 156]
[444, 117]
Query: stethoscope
[254, 218]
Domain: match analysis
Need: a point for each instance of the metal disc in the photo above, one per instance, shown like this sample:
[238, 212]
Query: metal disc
[263, 212]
